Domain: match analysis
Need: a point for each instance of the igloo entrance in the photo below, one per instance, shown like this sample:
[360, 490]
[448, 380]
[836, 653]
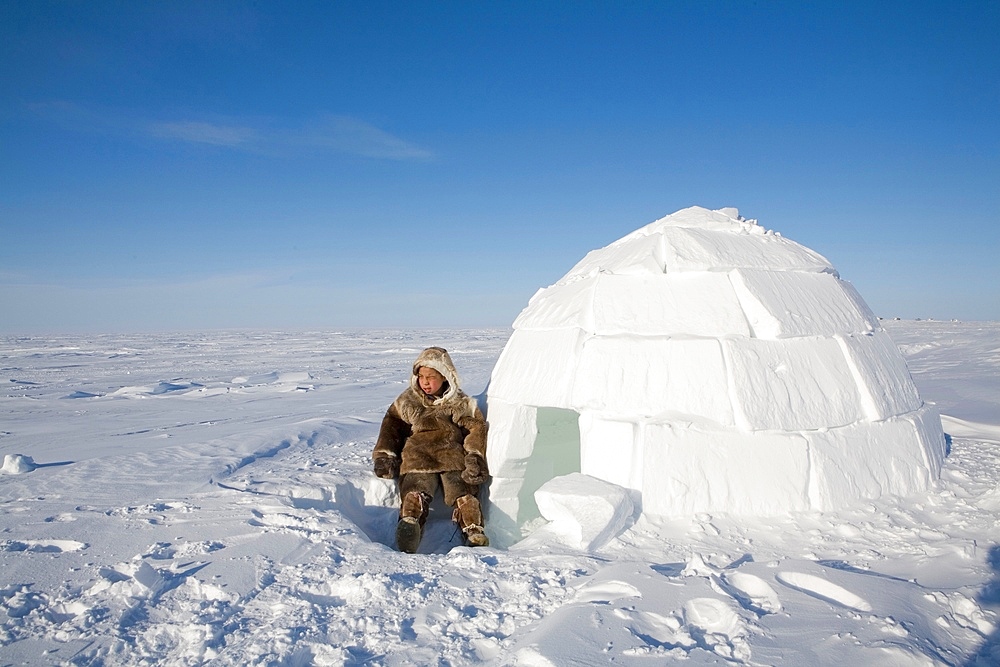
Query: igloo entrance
[554, 452]
[705, 364]
[542, 443]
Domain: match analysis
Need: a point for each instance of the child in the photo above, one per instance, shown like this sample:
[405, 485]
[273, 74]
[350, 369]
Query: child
[434, 435]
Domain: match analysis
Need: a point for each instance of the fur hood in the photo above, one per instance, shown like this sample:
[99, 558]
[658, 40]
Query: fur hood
[437, 358]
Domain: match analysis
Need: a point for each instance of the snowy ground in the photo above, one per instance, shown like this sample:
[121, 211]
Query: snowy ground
[184, 500]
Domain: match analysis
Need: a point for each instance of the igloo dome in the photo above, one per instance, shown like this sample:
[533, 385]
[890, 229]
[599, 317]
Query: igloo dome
[707, 365]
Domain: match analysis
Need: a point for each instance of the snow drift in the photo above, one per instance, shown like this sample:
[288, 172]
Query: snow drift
[708, 365]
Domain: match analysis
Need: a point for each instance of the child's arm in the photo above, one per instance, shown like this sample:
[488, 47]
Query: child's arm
[476, 470]
[392, 436]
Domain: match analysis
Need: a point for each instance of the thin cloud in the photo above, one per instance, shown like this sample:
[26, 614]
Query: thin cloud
[205, 133]
[330, 133]
[344, 134]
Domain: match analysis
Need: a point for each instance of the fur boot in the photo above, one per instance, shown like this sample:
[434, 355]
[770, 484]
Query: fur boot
[469, 516]
[412, 516]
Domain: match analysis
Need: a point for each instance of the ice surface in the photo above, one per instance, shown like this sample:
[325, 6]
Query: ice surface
[713, 366]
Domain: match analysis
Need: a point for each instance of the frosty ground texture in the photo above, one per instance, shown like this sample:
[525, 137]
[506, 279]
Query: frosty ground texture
[207, 499]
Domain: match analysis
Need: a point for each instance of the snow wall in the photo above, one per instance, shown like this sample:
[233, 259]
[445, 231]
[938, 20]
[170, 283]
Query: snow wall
[707, 365]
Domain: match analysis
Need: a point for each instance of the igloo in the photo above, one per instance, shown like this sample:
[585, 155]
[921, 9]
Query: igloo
[706, 365]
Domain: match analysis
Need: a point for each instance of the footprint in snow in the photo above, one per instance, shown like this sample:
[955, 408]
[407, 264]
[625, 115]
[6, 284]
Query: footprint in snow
[656, 629]
[151, 513]
[20, 600]
[716, 627]
[706, 623]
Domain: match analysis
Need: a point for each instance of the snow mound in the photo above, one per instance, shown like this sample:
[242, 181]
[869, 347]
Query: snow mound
[709, 365]
[16, 464]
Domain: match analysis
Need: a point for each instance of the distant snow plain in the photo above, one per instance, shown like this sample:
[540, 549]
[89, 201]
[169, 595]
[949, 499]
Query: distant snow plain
[189, 499]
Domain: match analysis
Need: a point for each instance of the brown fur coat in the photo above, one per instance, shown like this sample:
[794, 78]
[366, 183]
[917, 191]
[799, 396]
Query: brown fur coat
[428, 433]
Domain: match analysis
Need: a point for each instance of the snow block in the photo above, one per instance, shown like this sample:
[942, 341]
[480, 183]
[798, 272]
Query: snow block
[501, 512]
[792, 384]
[537, 367]
[585, 512]
[560, 306]
[511, 435]
[688, 304]
[867, 460]
[927, 425]
[696, 249]
[852, 293]
[639, 377]
[633, 255]
[783, 304]
[505, 488]
[721, 220]
[610, 449]
[881, 374]
[687, 470]
[17, 464]
[531, 446]
[149, 577]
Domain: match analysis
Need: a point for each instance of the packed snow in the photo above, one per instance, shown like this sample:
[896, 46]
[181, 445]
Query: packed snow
[208, 499]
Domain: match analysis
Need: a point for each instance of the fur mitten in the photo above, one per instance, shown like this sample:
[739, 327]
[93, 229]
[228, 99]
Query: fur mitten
[386, 467]
[475, 469]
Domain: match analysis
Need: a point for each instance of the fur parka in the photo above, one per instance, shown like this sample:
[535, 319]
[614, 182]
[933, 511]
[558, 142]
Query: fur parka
[422, 433]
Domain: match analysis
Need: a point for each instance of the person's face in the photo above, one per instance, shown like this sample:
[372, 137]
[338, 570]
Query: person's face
[430, 381]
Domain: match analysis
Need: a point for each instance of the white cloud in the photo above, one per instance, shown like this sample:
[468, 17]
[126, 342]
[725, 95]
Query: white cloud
[205, 133]
[330, 133]
[345, 134]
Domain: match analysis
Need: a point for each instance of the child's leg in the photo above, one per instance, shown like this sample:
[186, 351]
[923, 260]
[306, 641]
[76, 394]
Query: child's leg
[468, 512]
[416, 490]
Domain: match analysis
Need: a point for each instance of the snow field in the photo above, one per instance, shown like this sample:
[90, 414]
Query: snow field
[236, 521]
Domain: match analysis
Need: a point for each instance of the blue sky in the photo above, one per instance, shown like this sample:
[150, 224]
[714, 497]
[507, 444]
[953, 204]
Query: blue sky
[202, 165]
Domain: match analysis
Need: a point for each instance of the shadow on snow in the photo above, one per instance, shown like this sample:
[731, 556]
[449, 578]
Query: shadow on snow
[989, 653]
